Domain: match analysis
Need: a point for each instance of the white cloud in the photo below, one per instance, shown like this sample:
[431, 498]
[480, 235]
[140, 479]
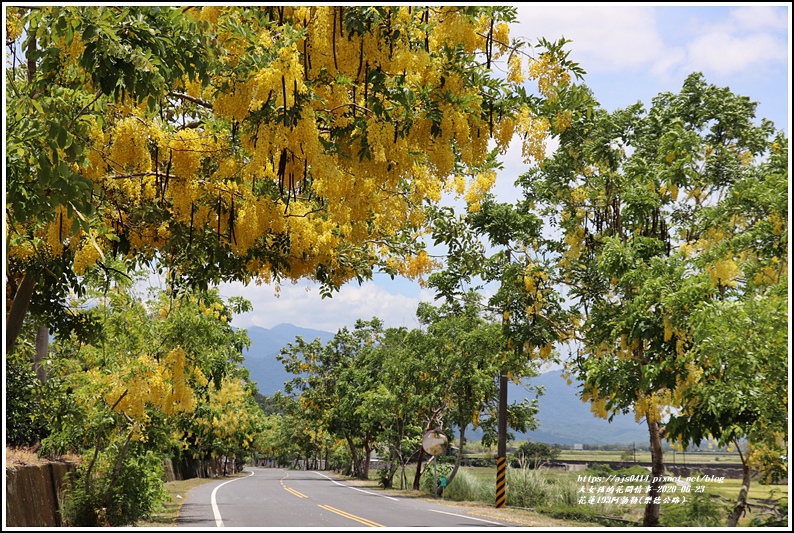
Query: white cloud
[669, 41]
[759, 18]
[302, 305]
[746, 41]
[604, 38]
[725, 53]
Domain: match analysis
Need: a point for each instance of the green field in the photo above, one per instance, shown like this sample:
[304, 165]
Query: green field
[670, 457]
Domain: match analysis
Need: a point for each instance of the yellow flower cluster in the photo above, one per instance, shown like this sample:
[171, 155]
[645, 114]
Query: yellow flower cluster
[59, 231]
[562, 121]
[335, 192]
[417, 265]
[186, 149]
[769, 457]
[130, 149]
[233, 103]
[210, 14]
[228, 414]
[653, 406]
[514, 72]
[534, 131]
[145, 382]
[693, 375]
[501, 37]
[216, 310]
[549, 75]
[770, 274]
[479, 186]
[597, 401]
[179, 396]
[575, 240]
[13, 24]
[455, 28]
[724, 272]
[87, 256]
[70, 53]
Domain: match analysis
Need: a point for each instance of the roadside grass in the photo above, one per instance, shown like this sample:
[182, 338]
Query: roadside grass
[762, 498]
[554, 494]
[23, 456]
[480, 501]
[177, 492]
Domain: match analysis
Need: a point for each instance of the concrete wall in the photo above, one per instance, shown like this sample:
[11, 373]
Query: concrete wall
[33, 494]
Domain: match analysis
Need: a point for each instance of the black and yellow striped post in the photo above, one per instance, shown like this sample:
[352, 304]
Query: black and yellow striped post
[501, 470]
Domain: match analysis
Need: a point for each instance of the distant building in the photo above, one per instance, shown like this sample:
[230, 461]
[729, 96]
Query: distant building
[578, 447]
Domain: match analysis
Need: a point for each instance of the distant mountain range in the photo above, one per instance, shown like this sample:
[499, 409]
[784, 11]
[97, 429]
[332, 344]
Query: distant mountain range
[260, 357]
[564, 419]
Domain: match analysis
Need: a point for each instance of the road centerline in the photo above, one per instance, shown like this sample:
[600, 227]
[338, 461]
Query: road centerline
[332, 480]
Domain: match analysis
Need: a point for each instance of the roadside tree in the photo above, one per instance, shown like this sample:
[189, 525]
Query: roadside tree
[250, 143]
[627, 194]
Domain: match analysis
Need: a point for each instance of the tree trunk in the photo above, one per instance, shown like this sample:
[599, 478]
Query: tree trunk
[42, 344]
[418, 474]
[741, 502]
[367, 456]
[430, 423]
[459, 458]
[388, 480]
[18, 309]
[651, 517]
[354, 457]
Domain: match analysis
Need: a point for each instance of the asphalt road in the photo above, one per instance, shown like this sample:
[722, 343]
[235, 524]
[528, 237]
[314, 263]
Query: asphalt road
[277, 498]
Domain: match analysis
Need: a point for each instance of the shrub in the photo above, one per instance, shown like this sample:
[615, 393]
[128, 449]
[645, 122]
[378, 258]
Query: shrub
[22, 393]
[102, 497]
[341, 461]
[442, 470]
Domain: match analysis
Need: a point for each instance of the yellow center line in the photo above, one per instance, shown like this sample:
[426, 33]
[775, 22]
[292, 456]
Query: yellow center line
[294, 492]
[352, 517]
[291, 491]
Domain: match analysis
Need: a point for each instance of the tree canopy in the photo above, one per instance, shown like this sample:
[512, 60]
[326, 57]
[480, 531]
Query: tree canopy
[668, 223]
[252, 143]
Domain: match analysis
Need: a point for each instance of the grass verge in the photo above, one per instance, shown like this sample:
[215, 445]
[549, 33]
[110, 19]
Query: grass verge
[177, 491]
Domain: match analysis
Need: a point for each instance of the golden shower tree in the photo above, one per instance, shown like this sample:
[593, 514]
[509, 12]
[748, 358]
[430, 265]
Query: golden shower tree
[256, 144]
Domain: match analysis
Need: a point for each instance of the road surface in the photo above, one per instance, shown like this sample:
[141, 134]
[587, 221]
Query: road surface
[277, 498]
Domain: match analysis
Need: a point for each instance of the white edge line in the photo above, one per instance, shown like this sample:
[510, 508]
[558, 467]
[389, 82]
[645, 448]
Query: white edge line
[373, 493]
[215, 511]
[356, 488]
[466, 516]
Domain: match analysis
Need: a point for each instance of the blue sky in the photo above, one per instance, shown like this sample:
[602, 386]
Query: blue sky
[631, 52]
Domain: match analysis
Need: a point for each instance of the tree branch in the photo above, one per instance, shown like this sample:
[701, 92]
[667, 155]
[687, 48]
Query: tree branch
[96, 97]
[19, 308]
[197, 101]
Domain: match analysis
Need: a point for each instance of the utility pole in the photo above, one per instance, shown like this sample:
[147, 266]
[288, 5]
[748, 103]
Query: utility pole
[501, 450]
